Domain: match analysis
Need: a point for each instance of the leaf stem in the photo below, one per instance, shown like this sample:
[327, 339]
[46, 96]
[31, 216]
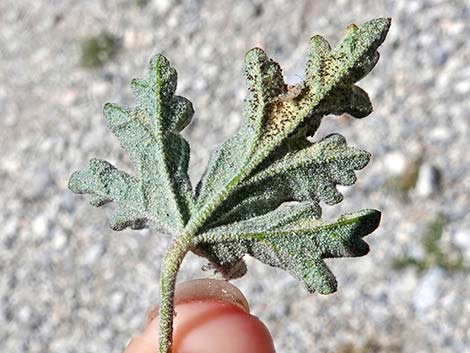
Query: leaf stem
[174, 256]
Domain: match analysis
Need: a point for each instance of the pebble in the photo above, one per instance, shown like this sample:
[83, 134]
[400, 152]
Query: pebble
[427, 290]
[440, 134]
[93, 254]
[162, 6]
[462, 238]
[396, 163]
[429, 179]
[59, 240]
[10, 227]
[24, 314]
[116, 302]
[40, 226]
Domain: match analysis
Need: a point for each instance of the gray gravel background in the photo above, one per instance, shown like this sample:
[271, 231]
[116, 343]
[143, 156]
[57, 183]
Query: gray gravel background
[70, 284]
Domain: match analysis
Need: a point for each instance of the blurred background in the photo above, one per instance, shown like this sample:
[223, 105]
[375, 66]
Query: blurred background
[70, 284]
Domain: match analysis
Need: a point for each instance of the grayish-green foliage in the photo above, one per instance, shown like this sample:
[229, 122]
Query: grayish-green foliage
[310, 173]
[294, 239]
[149, 132]
[262, 189]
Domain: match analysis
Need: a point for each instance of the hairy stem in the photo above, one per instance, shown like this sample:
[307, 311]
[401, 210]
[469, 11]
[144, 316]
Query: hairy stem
[174, 256]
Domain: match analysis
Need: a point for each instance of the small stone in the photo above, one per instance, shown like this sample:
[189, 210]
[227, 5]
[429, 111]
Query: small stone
[99, 88]
[206, 51]
[462, 239]
[426, 292]
[414, 6]
[116, 302]
[93, 254]
[462, 87]
[24, 314]
[130, 38]
[3, 100]
[69, 97]
[10, 227]
[428, 182]
[200, 85]
[440, 133]
[162, 6]
[59, 240]
[40, 226]
[396, 163]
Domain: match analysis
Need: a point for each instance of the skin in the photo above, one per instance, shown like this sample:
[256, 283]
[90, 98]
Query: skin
[212, 316]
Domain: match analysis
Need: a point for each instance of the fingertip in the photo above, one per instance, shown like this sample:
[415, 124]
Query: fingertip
[205, 289]
[140, 344]
[212, 316]
[211, 326]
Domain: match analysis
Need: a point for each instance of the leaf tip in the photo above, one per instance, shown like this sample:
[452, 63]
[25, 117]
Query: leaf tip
[319, 45]
[378, 28]
[158, 59]
[370, 221]
[254, 53]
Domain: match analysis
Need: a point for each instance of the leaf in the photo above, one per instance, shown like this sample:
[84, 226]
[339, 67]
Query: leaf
[294, 239]
[308, 174]
[262, 189]
[270, 161]
[277, 121]
[265, 84]
[105, 183]
[150, 133]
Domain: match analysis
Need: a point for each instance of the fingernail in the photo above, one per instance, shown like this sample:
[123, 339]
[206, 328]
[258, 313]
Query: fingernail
[205, 289]
[211, 289]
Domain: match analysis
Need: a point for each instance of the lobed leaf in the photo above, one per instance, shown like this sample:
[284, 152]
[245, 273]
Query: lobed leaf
[150, 134]
[307, 174]
[265, 83]
[243, 202]
[293, 239]
[106, 183]
[278, 121]
[270, 161]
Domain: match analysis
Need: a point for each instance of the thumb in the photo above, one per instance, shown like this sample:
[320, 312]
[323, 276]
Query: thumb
[212, 316]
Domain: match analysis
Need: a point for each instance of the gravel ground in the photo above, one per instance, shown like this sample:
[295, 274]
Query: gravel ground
[70, 284]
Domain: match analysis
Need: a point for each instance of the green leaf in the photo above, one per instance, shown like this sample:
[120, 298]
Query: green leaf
[278, 118]
[150, 134]
[265, 83]
[308, 174]
[105, 183]
[262, 189]
[294, 239]
[270, 161]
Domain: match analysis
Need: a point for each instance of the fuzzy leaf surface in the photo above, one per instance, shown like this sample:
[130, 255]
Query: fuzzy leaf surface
[310, 174]
[294, 239]
[150, 134]
[253, 172]
[277, 121]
